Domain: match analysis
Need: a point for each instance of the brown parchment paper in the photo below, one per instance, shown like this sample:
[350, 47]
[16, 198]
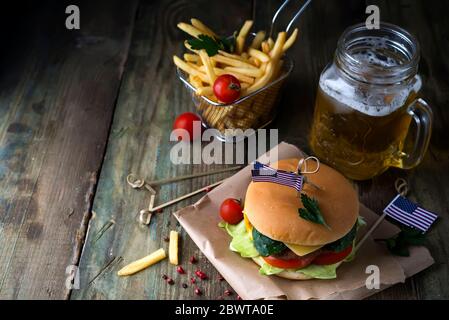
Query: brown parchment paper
[201, 223]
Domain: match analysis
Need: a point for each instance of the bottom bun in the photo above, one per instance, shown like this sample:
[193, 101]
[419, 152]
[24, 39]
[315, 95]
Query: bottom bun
[291, 275]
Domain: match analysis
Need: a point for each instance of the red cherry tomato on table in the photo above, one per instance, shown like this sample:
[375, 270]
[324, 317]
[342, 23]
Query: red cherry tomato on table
[330, 257]
[231, 211]
[186, 121]
[227, 88]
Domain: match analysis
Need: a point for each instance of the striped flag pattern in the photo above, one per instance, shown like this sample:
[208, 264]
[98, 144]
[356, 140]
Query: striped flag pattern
[406, 212]
[264, 173]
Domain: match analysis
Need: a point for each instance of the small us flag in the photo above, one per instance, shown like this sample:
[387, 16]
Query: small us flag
[263, 173]
[406, 212]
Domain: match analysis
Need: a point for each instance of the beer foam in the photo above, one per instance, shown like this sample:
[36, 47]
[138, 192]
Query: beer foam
[370, 104]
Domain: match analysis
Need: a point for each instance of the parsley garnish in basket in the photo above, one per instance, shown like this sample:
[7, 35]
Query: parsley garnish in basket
[212, 45]
[311, 211]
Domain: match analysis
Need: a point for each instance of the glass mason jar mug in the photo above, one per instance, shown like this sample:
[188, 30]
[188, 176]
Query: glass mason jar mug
[368, 114]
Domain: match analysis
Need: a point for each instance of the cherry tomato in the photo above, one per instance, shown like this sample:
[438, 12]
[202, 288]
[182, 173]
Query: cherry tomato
[227, 88]
[290, 260]
[186, 121]
[231, 211]
[330, 257]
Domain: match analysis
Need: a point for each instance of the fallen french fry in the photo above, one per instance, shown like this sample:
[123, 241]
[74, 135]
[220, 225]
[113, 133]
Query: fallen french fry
[173, 248]
[202, 27]
[191, 30]
[257, 41]
[259, 55]
[240, 41]
[143, 263]
[291, 40]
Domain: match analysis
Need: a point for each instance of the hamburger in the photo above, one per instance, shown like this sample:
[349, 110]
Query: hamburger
[288, 244]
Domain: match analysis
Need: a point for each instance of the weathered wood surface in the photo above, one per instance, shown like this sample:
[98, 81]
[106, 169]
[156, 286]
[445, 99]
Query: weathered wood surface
[57, 95]
[58, 160]
[150, 98]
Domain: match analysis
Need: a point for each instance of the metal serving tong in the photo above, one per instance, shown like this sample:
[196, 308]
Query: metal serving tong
[292, 21]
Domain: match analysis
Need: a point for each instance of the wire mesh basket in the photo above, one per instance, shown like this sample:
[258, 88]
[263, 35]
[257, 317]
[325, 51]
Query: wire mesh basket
[253, 111]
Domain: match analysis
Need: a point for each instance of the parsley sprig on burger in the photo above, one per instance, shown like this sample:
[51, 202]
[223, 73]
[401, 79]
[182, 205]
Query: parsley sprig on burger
[283, 240]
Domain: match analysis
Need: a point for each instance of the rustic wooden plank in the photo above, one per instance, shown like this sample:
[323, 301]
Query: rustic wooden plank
[57, 96]
[150, 98]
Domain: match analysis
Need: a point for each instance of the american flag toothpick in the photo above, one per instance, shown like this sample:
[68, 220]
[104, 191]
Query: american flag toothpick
[410, 214]
[263, 173]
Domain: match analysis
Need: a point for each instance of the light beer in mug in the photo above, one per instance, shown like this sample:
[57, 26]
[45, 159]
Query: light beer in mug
[367, 101]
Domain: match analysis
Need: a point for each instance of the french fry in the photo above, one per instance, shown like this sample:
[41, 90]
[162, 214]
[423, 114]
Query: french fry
[239, 76]
[256, 73]
[143, 263]
[240, 41]
[190, 69]
[245, 55]
[196, 81]
[232, 56]
[265, 47]
[259, 55]
[202, 27]
[189, 47]
[191, 30]
[208, 66]
[254, 61]
[190, 57]
[291, 40]
[205, 91]
[276, 52]
[257, 41]
[265, 79]
[270, 43]
[173, 248]
[232, 62]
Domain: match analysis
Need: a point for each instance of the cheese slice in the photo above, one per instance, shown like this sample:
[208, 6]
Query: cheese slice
[248, 226]
[296, 248]
[302, 250]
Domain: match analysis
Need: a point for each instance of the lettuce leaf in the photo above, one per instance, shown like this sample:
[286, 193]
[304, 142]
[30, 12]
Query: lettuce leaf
[320, 272]
[241, 239]
[268, 270]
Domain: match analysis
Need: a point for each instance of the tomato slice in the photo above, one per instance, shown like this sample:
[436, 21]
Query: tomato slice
[290, 263]
[330, 257]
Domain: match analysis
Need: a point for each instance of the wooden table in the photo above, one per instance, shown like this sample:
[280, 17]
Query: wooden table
[81, 109]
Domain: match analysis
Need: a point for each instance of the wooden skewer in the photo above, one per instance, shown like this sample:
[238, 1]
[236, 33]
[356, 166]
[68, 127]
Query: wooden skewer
[190, 176]
[189, 195]
[370, 231]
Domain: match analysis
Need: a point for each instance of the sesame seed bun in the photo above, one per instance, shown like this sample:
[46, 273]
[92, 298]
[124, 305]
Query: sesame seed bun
[273, 209]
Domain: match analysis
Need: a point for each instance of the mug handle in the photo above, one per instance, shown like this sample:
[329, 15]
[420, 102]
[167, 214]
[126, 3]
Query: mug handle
[422, 114]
